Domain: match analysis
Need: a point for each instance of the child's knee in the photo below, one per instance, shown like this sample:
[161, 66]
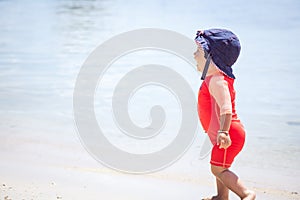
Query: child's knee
[216, 170]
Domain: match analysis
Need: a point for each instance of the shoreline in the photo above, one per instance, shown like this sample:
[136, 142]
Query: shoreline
[40, 163]
[94, 183]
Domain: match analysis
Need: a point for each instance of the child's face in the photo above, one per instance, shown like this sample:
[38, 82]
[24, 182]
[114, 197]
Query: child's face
[199, 57]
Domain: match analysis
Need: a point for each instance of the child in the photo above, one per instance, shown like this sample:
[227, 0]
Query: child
[217, 51]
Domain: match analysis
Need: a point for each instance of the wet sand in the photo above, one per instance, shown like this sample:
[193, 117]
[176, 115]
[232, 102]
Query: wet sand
[39, 162]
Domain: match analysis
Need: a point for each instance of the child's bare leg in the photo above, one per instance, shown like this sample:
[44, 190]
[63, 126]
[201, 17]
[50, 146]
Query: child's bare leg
[223, 191]
[232, 182]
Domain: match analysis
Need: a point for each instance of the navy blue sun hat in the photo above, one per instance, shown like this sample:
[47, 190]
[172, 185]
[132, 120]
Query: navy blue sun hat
[222, 46]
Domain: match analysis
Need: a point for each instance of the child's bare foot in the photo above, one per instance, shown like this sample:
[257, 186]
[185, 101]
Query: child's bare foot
[250, 195]
[214, 198]
[211, 198]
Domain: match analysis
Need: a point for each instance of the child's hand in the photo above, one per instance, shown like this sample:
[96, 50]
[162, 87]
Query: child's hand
[223, 140]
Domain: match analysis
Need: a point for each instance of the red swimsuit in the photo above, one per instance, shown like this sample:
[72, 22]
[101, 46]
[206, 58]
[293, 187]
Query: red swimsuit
[217, 97]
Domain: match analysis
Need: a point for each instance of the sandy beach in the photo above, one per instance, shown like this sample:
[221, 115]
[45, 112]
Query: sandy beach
[38, 162]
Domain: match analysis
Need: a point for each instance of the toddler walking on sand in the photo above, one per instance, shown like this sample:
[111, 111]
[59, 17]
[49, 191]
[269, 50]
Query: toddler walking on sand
[217, 51]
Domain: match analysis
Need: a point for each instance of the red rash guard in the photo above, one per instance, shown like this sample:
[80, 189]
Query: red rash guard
[217, 97]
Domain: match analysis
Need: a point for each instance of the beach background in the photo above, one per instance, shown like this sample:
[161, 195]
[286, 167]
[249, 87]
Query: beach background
[44, 43]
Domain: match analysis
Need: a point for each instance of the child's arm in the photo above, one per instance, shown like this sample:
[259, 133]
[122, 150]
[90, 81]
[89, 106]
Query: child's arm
[225, 121]
[223, 136]
[218, 88]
